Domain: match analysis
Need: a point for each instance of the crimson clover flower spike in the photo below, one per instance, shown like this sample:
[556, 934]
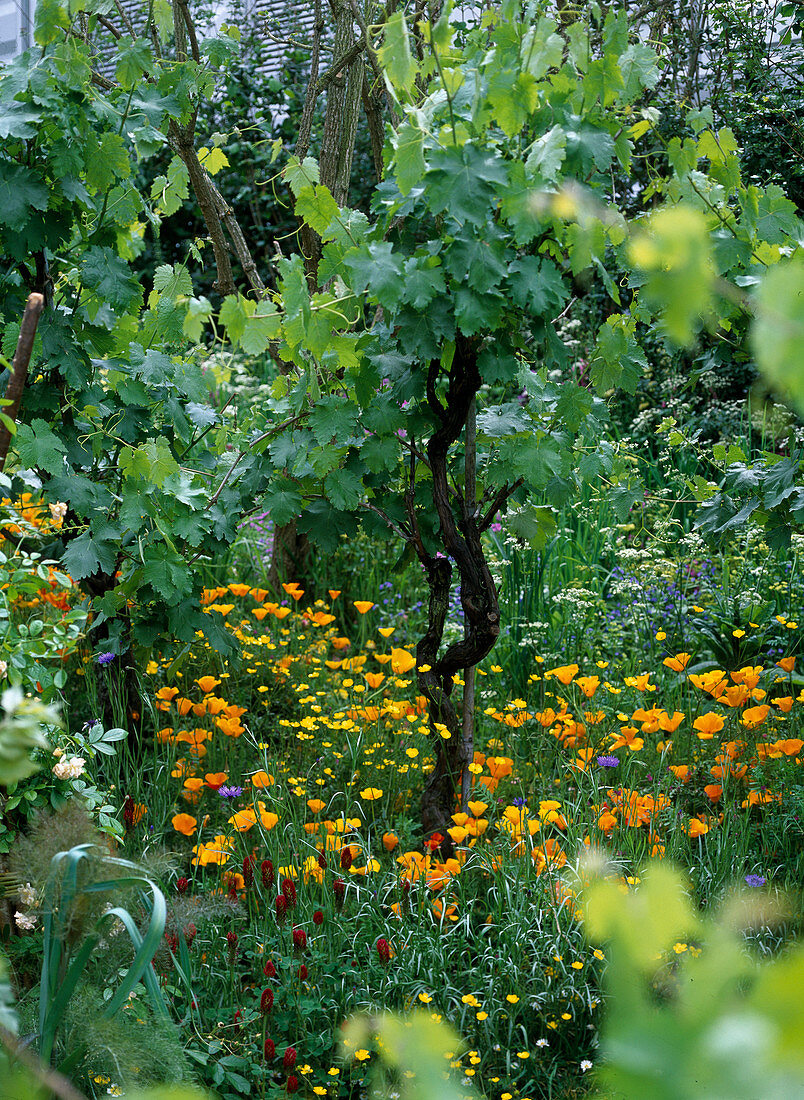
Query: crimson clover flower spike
[289, 890]
[248, 870]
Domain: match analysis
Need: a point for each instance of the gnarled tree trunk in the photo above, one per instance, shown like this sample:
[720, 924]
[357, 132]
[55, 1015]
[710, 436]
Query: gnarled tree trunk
[461, 527]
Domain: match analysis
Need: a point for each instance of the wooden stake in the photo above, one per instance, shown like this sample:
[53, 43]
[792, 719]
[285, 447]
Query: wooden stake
[19, 369]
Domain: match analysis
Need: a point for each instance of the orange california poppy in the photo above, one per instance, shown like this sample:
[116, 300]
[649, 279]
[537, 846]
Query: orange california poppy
[184, 824]
[707, 725]
[565, 674]
[679, 662]
[207, 684]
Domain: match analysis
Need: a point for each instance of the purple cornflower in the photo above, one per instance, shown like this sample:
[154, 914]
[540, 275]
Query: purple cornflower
[519, 802]
[230, 792]
[755, 880]
[608, 761]
[105, 658]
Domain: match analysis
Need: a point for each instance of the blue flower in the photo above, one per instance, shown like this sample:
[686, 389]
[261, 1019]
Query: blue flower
[105, 658]
[230, 792]
[755, 880]
[608, 761]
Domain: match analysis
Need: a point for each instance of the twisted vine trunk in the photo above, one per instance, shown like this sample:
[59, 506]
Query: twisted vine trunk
[461, 537]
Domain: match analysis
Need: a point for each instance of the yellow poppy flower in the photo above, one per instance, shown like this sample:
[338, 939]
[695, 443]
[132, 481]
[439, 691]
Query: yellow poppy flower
[402, 661]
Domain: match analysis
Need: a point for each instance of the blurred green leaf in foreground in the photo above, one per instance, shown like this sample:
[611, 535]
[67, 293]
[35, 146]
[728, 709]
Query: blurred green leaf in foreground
[690, 1013]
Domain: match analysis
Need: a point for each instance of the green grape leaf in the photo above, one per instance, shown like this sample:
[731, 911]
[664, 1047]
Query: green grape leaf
[513, 97]
[233, 316]
[199, 310]
[153, 461]
[103, 271]
[617, 359]
[86, 555]
[133, 62]
[519, 206]
[547, 154]
[423, 281]
[640, 69]
[344, 489]
[395, 56]
[380, 453]
[316, 206]
[51, 20]
[283, 500]
[170, 191]
[19, 120]
[212, 160]
[39, 448]
[464, 182]
[260, 328]
[501, 420]
[300, 174]
[770, 215]
[717, 148]
[675, 254]
[375, 267]
[574, 405]
[542, 48]
[478, 263]
[536, 284]
[408, 156]
[535, 524]
[201, 415]
[170, 282]
[21, 191]
[333, 418]
[777, 335]
[167, 573]
[325, 525]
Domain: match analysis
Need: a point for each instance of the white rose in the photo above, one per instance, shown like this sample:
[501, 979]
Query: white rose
[69, 768]
[77, 764]
[28, 895]
[61, 769]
